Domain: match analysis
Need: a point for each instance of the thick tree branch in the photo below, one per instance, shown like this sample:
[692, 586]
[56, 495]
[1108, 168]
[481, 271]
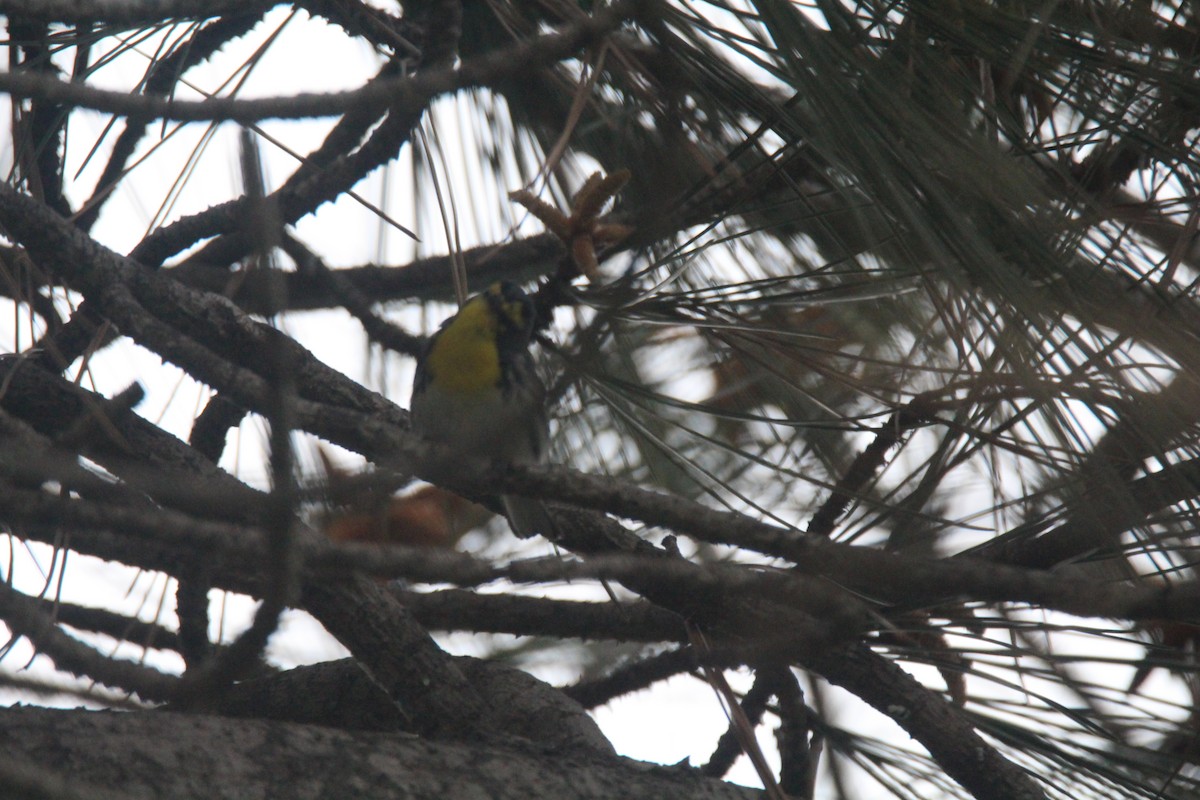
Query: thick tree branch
[280, 759]
[399, 655]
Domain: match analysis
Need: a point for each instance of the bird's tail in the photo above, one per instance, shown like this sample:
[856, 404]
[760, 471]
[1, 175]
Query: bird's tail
[529, 517]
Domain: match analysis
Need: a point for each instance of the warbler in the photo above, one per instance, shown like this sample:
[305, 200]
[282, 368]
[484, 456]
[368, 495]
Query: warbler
[477, 391]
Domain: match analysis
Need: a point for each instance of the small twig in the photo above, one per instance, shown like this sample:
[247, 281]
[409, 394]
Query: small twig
[84, 690]
[799, 744]
[209, 432]
[753, 706]
[740, 724]
[632, 677]
[212, 426]
[867, 463]
[100, 421]
[378, 329]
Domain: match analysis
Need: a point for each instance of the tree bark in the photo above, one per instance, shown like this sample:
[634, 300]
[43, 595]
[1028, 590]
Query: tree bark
[157, 754]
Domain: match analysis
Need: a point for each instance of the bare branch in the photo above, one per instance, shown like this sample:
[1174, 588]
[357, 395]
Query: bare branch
[403, 94]
[125, 12]
[264, 758]
[24, 617]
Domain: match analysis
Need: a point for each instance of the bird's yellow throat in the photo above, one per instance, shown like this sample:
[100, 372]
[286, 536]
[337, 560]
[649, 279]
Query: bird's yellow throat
[464, 357]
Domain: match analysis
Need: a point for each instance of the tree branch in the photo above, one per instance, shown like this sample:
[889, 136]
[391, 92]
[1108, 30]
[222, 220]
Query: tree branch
[280, 759]
[407, 95]
[126, 12]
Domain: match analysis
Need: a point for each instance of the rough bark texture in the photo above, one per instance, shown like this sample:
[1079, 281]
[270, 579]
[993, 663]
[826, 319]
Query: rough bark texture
[163, 754]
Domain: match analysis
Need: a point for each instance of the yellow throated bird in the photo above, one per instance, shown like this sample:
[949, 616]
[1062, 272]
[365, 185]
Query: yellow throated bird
[476, 391]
